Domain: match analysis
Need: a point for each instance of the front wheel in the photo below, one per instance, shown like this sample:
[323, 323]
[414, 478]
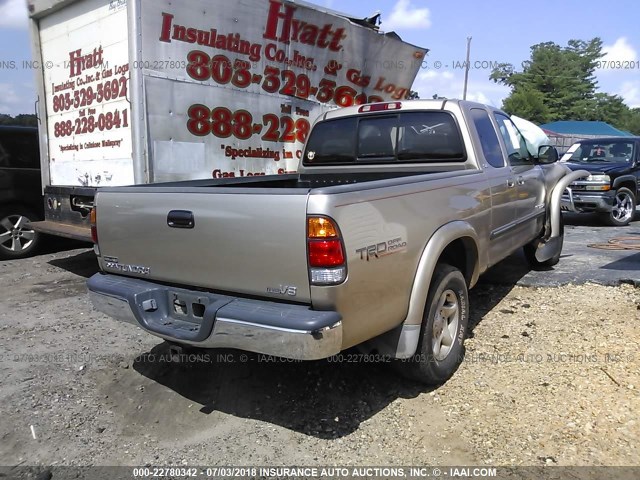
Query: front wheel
[624, 207]
[17, 238]
[446, 316]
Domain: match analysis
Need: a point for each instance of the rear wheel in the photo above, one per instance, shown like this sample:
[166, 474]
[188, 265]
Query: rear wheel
[444, 325]
[17, 238]
[624, 207]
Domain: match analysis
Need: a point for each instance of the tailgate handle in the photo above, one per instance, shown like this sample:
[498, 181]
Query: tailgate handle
[180, 219]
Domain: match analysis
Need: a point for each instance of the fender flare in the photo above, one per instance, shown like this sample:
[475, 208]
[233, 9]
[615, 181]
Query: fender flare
[625, 178]
[402, 341]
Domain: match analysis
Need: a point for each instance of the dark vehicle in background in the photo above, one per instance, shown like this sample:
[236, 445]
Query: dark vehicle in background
[20, 191]
[612, 188]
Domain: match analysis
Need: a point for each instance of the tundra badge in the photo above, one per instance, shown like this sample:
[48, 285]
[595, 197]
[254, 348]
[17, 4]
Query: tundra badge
[112, 263]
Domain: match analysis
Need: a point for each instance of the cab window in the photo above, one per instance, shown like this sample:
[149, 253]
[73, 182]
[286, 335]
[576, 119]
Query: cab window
[488, 138]
[517, 150]
[429, 136]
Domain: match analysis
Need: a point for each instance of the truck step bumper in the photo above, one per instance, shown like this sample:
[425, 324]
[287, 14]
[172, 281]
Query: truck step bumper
[76, 232]
[211, 320]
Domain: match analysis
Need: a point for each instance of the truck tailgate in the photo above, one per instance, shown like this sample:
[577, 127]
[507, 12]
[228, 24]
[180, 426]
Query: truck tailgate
[248, 243]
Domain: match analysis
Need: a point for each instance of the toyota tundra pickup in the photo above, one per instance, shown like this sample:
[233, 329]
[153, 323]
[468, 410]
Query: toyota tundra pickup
[394, 212]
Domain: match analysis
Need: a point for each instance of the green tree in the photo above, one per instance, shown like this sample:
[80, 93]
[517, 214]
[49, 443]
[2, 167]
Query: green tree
[607, 108]
[24, 119]
[559, 83]
[632, 123]
[562, 77]
[529, 104]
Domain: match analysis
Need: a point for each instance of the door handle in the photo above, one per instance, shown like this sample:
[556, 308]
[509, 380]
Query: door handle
[520, 181]
[511, 183]
[180, 219]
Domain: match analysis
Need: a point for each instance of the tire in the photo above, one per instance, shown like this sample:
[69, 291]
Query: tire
[17, 238]
[435, 362]
[624, 207]
[530, 252]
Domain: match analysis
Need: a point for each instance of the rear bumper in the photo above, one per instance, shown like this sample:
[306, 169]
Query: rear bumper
[66, 212]
[209, 320]
[573, 201]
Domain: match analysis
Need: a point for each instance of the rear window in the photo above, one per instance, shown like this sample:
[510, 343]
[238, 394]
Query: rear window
[403, 137]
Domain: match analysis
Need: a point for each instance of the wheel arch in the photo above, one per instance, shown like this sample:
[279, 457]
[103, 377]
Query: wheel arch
[455, 243]
[627, 181]
[15, 203]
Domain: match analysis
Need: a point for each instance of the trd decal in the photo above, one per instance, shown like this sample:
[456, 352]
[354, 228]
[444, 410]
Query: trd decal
[382, 249]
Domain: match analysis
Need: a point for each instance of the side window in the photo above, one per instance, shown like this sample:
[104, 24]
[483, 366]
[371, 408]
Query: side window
[517, 150]
[19, 150]
[4, 155]
[488, 137]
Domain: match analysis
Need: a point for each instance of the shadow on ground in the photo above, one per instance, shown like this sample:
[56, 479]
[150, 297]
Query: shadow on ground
[54, 244]
[305, 397]
[83, 264]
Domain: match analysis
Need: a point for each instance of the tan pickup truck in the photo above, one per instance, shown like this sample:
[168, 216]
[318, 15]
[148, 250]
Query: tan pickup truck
[395, 211]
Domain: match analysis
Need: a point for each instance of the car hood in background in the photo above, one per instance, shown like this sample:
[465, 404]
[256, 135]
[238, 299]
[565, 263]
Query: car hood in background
[598, 167]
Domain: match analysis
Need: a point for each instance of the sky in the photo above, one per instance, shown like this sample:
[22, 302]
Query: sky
[502, 32]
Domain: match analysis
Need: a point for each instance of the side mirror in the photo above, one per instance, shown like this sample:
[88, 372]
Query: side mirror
[547, 154]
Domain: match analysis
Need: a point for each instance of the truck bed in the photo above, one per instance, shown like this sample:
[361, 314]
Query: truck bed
[302, 182]
[241, 235]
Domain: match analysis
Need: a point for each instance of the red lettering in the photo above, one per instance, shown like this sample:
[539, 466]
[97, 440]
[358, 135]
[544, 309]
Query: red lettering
[355, 77]
[300, 31]
[271, 29]
[78, 62]
[297, 28]
[217, 173]
[165, 32]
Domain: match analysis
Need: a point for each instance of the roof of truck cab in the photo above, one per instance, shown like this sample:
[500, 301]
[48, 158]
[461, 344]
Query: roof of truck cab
[430, 104]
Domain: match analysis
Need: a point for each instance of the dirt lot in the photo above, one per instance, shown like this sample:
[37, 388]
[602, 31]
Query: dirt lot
[552, 376]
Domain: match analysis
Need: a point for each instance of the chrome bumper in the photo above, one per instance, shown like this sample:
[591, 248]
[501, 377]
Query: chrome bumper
[581, 202]
[283, 330]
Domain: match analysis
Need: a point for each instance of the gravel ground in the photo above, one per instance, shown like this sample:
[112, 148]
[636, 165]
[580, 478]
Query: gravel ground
[552, 376]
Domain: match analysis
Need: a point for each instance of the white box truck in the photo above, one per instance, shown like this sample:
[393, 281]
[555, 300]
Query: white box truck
[147, 91]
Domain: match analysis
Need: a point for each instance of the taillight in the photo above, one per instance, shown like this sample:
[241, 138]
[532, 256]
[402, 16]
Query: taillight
[325, 253]
[327, 262]
[94, 229]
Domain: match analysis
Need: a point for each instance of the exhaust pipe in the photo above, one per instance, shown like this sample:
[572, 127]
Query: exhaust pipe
[549, 247]
[556, 197]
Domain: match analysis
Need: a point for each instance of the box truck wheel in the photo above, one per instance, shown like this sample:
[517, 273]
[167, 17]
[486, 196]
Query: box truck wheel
[17, 238]
[444, 325]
